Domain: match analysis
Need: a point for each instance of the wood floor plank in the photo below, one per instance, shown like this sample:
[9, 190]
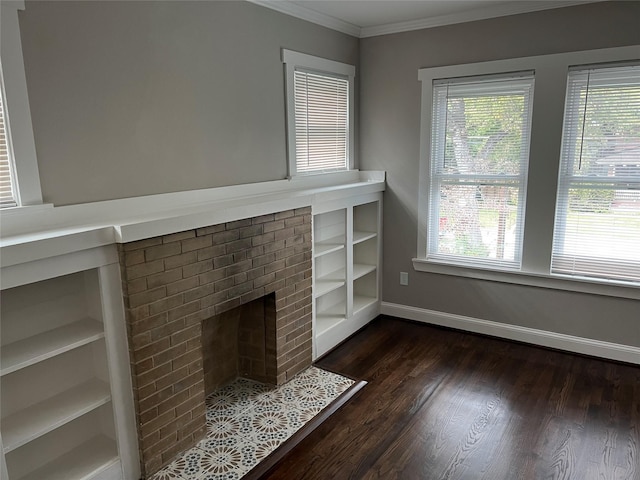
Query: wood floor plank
[442, 404]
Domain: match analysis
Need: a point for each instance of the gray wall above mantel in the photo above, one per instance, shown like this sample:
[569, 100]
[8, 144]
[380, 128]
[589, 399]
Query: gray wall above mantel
[390, 140]
[136, 98]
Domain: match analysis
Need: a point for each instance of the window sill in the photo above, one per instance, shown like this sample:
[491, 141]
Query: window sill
[25, 209]
[554, 282]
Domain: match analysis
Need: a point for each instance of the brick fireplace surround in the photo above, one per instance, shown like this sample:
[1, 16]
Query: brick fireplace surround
[171, 284]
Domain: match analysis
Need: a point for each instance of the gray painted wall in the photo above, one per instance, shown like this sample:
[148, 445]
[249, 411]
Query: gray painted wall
[136, 98]
[390, 140]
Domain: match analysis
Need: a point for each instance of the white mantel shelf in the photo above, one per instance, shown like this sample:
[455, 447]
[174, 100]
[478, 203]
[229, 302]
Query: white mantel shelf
[42, 232]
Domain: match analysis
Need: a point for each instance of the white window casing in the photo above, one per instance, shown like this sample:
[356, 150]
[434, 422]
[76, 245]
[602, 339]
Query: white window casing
[320, 114]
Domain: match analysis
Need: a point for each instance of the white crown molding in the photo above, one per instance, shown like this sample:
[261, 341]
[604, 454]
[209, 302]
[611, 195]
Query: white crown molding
[534, 336]
[484, 13]
[309, 15]
[512, 8]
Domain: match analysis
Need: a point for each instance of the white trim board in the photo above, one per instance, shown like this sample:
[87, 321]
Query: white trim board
[543, 338]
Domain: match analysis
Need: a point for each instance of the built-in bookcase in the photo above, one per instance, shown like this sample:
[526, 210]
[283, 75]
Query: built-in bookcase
[347, 259]
[65, 409]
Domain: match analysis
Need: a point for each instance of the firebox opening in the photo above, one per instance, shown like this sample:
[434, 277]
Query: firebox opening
[240, 343]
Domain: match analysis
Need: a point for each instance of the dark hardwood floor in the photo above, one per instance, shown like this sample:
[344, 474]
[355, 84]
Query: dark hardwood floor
[443, 404]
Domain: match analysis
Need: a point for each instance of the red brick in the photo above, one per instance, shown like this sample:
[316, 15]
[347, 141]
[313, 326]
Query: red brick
[164, 278]
[212, 276]
[146, 297]
[196, 243]
[133, 258]
[194, 331]
[198, 292]
[245, 222]
[285, 214]
[144, 269]
[140, 244]
[184, 310]
[225, 237]
[166, 304]
[180, 260]
[197, 268]
[211, 252]
[170, 354]
[182, 285]
[136, 286]
[212, 229]
[161, 251]
[251, 231]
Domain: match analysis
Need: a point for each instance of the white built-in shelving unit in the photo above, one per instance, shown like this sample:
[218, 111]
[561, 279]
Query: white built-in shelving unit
[347, 241]
[66, 408]
[66, 400]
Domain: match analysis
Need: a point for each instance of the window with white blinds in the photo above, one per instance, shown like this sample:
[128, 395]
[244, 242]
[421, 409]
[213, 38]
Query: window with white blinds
[319, 113]
[597, 224]
[8, 194]
[478, 176]
[321, 122]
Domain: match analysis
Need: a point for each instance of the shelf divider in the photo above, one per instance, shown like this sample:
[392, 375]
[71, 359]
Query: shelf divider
[359, 237]
[330, 245]
[43, 417]
[361, 269]
[83, 462]
[325, 322]
[360, 302]
[37, 348]
[329, 282]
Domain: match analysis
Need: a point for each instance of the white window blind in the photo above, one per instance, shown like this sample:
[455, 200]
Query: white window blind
[597, 224]
[479, 161]
[8, 197]
[321, 122]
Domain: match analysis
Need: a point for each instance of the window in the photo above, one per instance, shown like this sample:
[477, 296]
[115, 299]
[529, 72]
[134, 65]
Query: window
[597, 225]
[478, 174]
[19, 177]
[319, 114]
[580, 229]
[8, 193]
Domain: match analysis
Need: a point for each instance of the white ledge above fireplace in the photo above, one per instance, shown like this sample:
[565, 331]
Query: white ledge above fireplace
[39, 233]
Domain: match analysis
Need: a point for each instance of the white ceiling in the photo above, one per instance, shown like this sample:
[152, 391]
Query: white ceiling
[367, 18]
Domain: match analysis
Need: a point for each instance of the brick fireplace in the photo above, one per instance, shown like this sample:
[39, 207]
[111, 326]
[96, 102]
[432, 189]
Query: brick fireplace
[181, 289]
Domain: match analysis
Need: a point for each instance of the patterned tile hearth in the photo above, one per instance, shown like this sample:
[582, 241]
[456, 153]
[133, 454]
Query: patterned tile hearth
[247, 420]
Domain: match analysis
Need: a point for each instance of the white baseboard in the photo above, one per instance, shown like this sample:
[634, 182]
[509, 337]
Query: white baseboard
[570, 343]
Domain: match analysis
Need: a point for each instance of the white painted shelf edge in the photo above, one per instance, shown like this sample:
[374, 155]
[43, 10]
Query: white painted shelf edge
[359, 237]
[360, 302]
[45, 345]
[329, 282]
[82, 463]
[327, 246]
[361, 269]
[43, 417]
[325, 322]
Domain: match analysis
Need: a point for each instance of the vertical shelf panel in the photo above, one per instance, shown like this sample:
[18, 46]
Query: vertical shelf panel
[340, 310]
[57, 412]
